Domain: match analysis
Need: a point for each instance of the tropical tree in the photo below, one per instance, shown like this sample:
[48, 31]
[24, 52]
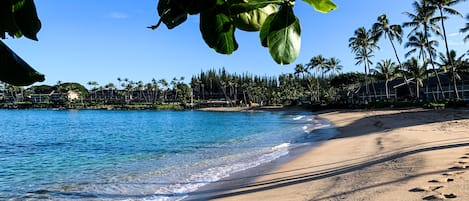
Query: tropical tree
[453, 65]
[334, 66]
[391, 32]
[387, 70]
[319, 64]
[300, 69]
[164, 85]
[421, 20]
[363, 44]
[466, 29]
[444, 7]
[418, 44]
[111, 87]
[417, 72]
[93, 85]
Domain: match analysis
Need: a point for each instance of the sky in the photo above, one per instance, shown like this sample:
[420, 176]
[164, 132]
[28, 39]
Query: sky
[102, 40]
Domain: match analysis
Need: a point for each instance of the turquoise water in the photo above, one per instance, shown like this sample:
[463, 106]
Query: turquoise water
[137, 155]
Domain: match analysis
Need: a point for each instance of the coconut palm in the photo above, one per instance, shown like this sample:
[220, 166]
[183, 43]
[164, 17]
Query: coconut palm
[444, 7]
[93, 85]
[164, 86]
[334, 65]
[421, 20]
[319, 64]
[466, 29]
[453, 65]
[417, 72]
[387, 70]
[363, 44]
[391, 32]
[300, 69]
[418, 43]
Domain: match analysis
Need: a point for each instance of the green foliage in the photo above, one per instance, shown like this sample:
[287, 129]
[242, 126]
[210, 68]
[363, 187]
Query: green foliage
[280, 30]
[253, 20]
[16, 71]
[283, 36]
[218, 31]
[18, 18]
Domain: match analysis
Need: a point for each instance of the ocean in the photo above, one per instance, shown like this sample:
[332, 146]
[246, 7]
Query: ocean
[140, 155]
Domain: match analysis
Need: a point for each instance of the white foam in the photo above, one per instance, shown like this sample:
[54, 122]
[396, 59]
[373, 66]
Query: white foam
[298, 117]
[197, 180]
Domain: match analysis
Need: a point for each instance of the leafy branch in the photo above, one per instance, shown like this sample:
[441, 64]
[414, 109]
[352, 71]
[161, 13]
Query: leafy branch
[18, 18]
[279, 29]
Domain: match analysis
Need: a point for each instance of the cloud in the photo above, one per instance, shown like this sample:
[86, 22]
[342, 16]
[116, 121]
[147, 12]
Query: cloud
[455, 34]
[119, 15]
[455, 43]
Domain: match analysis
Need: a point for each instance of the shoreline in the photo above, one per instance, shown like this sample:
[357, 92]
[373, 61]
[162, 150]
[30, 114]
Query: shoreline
[246, 177]
[410, 154]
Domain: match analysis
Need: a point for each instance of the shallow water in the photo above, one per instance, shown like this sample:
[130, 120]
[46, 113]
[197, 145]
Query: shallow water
[138, 155]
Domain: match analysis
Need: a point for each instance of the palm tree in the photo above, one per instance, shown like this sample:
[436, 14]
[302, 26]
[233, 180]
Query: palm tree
[466, 29]
[110, 86]
[93, 85]
[418, 43]
[300, 70]
[444, 7]
[164, 84]
[452, 65]
[391, 32]
[422, 19]
[319, 63]
[334, 65]
[388, 71]
[363, 44]
[417, 72]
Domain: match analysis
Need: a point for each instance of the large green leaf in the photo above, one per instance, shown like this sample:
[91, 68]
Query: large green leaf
[18, 18]
[14, 70]
[253, 20]
[284, 38]
[196, 6]
[218, 31]
[323, 6]
[265, 29]
[27, 20]
[171, 12]
[242, 6]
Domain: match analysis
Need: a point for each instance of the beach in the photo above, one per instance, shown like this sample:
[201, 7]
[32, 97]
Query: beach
[411, 154]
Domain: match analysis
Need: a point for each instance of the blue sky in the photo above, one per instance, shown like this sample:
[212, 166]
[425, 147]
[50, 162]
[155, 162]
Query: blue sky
[91, 40]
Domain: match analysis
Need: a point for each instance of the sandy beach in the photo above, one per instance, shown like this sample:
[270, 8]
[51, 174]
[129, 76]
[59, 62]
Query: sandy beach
[412, 154]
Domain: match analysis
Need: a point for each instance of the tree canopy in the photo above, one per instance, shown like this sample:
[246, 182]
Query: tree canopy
[279, 28]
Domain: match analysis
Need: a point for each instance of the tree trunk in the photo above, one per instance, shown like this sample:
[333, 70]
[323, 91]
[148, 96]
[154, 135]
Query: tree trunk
[400, 65]
[447, 53]
[387, 89]
[433, 64]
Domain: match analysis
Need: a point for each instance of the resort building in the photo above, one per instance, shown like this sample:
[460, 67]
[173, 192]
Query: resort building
[398, 90]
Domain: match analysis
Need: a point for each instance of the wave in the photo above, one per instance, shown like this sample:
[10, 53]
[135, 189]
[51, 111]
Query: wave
[240, 163]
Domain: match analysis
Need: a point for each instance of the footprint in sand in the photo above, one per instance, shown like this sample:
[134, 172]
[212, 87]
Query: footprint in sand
[453, 173]
[430, 188]
[462, 167]
[451, 195]
[445, 180]
[434, 197]
[464, 157]
[440, 197]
